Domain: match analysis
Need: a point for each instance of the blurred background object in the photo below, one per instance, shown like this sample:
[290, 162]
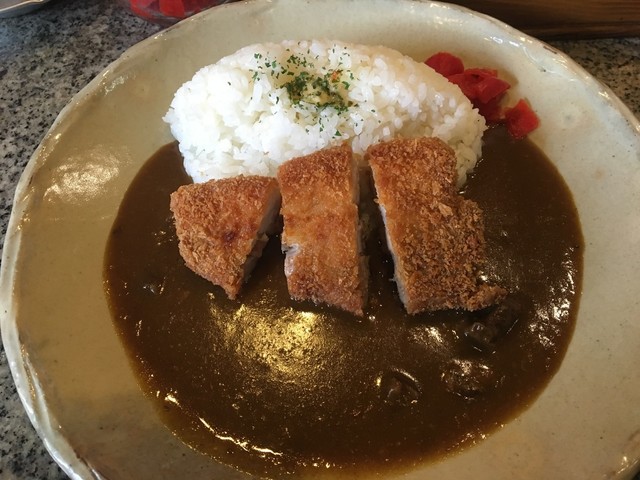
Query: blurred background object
[564, 18]
[540, 18]
[167, 12]
[547, 19]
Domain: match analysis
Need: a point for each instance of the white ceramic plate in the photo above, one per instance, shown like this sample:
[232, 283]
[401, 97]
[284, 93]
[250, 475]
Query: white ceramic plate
[69, 366]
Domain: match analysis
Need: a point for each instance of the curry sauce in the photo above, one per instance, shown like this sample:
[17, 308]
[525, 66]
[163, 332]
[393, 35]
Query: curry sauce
[277, 387]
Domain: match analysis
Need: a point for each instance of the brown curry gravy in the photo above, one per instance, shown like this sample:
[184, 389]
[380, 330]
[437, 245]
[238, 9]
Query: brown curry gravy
[276, 387]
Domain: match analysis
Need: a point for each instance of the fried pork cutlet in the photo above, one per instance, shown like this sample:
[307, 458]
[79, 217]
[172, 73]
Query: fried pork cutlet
[321, 236]
[436, 237]
[222, 226]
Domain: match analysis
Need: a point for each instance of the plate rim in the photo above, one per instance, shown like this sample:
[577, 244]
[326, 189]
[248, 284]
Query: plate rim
[20, 367]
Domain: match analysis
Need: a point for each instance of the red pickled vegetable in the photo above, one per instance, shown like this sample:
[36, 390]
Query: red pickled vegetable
[480, 84]
[490, 88]
[486, 91]
[492, 111]
[466, 83]
[445, 63]
[521, 119]
[481, 72]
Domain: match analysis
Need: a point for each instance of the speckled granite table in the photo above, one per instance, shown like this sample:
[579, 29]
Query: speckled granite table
[50, 54]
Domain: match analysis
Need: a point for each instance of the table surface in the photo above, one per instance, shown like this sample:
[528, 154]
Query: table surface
[48, 55]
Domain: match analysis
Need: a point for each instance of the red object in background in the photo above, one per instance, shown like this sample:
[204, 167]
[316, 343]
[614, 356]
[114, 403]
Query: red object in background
[486, 92]
[167, 12]
[173, 8]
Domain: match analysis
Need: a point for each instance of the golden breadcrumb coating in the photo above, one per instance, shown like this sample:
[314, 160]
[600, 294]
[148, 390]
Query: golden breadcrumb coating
[321, 229]
[221, 223]
[435, 235]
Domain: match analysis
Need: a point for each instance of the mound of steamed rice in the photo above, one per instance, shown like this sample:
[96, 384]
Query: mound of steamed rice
[268, 103]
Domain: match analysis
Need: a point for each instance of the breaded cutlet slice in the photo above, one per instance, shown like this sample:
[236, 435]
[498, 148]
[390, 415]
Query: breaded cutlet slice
[436, 236]
[321, 237]
[222, 226]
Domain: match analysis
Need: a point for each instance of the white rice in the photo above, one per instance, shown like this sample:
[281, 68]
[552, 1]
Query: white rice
[238, 116]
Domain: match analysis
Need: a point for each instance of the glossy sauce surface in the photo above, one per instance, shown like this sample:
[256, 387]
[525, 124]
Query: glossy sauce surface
[276, 387]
